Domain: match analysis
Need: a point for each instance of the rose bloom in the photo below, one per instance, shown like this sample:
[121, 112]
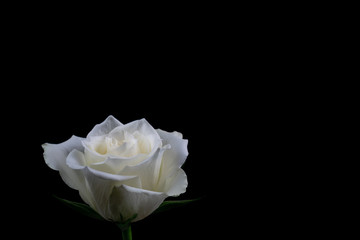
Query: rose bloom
[122, 170]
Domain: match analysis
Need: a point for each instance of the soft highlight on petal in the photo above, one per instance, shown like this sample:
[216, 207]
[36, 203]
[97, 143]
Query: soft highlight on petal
[105, 127]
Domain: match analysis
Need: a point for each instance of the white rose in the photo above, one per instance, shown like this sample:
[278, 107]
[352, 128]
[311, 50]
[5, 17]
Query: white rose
[122, 170]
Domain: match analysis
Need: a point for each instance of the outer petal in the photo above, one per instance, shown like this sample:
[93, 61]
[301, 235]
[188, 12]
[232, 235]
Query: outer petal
[76, 160]
[176, 184]
[178, 152]
[125, 201]
[55, 157]
[99, 190]
[173, 180]
[100, 185]
[105, 127]
[96, 186]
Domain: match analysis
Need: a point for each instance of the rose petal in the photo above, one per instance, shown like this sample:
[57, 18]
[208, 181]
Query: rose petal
[173, 179]
[148, 170]
[55, 154]
[105, 127]
[92, 156]
[55, 157]
[109, 176]
[125, 201]
[115, 164]
[176, 184]
[99, 187]
[99, 191]
[76, 160]
[143, 127]
[140, 127]
[178, 152]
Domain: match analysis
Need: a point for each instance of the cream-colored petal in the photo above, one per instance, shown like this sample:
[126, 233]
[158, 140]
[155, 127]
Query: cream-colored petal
[148, 170]
[142, 127]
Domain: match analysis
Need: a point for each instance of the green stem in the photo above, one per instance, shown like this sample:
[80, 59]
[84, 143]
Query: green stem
[126, 233]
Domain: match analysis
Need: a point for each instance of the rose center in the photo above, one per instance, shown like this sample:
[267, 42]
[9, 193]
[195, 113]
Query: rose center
[129, 145]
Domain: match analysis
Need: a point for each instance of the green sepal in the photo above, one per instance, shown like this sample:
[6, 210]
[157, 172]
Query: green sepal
[167, 205]
[81, 208]
[125, 224]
